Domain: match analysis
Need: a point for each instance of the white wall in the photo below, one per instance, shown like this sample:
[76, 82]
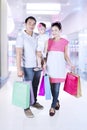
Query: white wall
[75, 22]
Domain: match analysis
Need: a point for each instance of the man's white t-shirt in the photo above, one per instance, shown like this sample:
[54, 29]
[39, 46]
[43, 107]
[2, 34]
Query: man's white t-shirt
[28, 44]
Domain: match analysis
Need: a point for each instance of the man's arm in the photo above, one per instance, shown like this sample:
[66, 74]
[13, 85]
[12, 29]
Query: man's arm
[18, 61]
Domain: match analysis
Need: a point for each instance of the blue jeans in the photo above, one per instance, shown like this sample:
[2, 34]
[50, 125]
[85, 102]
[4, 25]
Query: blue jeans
[55, 87]
[34, 76]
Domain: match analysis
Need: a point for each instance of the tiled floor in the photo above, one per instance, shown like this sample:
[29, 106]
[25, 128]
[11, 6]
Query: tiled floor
[71, 116]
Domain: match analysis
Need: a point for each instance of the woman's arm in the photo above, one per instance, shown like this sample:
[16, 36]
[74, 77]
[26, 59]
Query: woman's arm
[67, 58]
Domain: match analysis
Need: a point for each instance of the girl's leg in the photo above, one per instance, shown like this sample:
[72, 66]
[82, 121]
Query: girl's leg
[39, 61]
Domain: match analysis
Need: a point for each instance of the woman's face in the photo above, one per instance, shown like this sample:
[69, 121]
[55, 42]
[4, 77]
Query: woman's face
[55, 31]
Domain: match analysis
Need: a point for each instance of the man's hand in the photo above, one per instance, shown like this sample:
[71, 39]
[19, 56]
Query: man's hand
[20, 73]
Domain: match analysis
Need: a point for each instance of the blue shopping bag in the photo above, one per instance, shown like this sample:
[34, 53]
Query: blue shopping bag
[21, 94]
[47, 87]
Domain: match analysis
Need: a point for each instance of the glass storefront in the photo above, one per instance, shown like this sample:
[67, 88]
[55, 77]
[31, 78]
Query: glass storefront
[12, 55]
[78, 51]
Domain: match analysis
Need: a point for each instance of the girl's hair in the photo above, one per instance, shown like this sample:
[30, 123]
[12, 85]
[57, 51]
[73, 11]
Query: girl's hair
[43, 24]
[57, 24]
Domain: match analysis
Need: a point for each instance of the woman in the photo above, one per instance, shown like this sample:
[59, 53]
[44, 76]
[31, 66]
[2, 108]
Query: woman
[57, 54]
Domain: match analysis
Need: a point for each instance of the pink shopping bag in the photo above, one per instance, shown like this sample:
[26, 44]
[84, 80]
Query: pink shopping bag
[72, 84]
[41, 85]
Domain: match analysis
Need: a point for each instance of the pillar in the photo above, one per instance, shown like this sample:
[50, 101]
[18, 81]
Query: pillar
[3, 42]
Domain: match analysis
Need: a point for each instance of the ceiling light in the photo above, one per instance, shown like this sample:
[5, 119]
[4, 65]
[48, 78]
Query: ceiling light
[43, 8]
[42, 12]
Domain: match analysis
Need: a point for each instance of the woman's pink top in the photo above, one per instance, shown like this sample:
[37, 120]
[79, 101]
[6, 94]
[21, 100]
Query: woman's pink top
[55, 60]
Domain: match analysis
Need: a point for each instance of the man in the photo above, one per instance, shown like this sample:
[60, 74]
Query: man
[26, 59]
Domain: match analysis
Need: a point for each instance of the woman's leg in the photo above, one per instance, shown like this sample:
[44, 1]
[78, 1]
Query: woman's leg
[55, 87]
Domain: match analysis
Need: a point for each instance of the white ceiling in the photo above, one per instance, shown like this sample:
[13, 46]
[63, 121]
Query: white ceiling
[18, 10]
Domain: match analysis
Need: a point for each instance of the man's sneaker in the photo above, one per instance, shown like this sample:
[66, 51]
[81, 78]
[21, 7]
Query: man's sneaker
[38, 106]
[28, 113]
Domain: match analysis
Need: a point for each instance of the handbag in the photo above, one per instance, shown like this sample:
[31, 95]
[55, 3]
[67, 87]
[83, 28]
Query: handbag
[41, 88]
[72, 84]
[21, 94]
[31, 92]
[47, 87]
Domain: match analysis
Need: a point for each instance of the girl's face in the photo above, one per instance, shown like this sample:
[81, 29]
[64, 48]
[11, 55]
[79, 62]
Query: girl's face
[55, 31]
[41, 29]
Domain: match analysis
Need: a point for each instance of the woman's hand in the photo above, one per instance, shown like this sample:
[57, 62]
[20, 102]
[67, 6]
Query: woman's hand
[72, 68]
[44, 66]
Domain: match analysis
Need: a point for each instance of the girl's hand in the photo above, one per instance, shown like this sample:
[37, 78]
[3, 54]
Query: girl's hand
[39, 54]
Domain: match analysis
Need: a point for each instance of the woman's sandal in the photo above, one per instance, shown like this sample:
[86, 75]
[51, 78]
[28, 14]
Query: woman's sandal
[57, 105]
[52, 112]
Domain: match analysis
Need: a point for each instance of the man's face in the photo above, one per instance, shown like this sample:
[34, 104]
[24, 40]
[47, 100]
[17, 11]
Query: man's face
[30, 25]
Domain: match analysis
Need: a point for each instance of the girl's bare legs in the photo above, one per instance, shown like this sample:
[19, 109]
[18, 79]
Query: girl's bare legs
[39, 59]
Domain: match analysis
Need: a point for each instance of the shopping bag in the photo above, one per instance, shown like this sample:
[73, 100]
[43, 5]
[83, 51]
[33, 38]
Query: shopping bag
[41, 85]
[79, 92]
[21, 94]
[31, 92]
[72, 84]
[47, 87]
[32, 100]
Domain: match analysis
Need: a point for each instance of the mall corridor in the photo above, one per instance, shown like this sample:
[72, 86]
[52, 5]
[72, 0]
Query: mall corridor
[71, 116]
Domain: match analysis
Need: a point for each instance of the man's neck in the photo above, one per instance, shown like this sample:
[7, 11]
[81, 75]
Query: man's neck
[29, 33]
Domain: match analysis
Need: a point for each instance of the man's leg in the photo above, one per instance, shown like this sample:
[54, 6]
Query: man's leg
[28, 75]
[35, 84]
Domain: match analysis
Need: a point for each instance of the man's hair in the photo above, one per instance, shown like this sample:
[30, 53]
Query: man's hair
[30, 17]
